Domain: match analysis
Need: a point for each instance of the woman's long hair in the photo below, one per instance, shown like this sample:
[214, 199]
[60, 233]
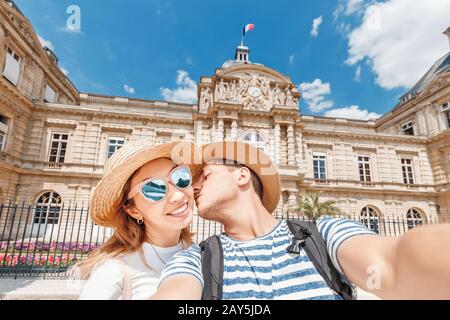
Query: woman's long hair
[128, 236]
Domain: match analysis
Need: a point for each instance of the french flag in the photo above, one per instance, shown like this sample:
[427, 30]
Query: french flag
[247, 28]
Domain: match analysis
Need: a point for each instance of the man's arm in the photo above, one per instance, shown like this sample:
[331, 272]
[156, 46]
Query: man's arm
[413, 266]
[182, 277]
[180, 287]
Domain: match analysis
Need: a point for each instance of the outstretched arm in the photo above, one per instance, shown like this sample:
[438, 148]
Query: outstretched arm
[180, 287]
[413, 266]
[182, 277]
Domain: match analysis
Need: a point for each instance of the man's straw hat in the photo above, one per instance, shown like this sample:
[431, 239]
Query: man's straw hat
[253, 158]
[124, 162]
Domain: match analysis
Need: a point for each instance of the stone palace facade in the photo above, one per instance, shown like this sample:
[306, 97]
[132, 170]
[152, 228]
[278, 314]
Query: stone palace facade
[54, 140]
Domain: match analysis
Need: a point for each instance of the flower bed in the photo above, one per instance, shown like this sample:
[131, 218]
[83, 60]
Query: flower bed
[43, 247]
[38, 261]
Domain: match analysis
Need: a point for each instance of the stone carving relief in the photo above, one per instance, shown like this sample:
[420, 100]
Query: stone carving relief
[254, 91]
[205, 100]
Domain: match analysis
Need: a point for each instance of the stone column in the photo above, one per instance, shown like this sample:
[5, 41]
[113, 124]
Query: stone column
[220, 130]
[277, 143]
[198, 128]
[279, 209]
[292, 201]
[234, 127]
[291, 145]
[213, 130]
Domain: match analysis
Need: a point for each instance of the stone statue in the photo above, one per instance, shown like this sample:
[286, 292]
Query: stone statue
[276, 95]
[265, 86]
[233, 89]
[289, 97]
[221, 90]
[205, 99]
[282, 97]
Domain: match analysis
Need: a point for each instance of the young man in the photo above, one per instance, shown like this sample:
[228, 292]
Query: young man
[257, 264]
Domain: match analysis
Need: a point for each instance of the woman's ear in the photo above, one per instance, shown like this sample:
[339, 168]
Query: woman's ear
[132, 211]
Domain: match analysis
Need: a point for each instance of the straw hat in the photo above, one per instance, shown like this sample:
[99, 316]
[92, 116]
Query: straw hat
[253, 158]
[124, 162]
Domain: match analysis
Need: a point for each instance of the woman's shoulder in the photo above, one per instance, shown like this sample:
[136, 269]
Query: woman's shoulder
[111, 267]
[105, 281]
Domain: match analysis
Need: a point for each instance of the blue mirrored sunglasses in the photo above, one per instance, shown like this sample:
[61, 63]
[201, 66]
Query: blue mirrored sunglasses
[155, 188]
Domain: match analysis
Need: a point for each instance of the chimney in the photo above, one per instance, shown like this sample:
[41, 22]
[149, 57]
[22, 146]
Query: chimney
[447, 33]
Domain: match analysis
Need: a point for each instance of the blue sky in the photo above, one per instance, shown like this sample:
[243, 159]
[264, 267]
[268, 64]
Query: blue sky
[145, 45]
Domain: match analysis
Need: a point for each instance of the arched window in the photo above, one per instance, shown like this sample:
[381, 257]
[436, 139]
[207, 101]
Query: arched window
[369, 217]
[414, 218]
[48, 208]
[256, 140]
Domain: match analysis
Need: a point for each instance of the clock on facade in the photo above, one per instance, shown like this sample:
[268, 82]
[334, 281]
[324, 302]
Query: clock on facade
[254, 92]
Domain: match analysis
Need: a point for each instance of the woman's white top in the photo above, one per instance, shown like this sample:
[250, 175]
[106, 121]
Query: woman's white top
[107, 280]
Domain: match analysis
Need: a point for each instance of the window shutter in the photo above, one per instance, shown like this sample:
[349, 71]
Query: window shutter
[50, 94]
[12, 67]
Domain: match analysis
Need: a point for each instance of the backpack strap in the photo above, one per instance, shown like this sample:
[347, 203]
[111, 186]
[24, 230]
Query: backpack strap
[212, 268]
[307, 236]
[127, 286]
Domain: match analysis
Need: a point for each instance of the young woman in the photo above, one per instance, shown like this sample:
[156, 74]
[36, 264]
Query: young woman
[146, 195]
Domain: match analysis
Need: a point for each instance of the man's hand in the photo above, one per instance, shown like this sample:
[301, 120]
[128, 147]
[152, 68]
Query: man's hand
[179, 287]
[413, 266]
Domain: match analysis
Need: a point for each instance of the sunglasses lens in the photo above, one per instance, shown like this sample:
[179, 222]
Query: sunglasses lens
[182, 177]
[155, 190]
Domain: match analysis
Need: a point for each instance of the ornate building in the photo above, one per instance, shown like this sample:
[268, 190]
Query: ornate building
[55, 140]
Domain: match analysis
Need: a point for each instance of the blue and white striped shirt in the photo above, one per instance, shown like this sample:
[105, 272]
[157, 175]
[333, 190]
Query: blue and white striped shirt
[263, 269]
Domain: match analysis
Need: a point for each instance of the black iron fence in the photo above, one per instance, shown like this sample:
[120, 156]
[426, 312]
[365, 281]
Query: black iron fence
[45, 241]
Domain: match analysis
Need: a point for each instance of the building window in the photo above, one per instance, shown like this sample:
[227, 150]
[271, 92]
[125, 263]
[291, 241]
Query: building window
[369, 217]
[414, 218]
[58, 147]
[50, 94]
[48, 209]
[3, 131]
[364, 168]
[12, 67]
[408, 128]
[319, 166]
[255, 139]
[114, 144]
[407, 171]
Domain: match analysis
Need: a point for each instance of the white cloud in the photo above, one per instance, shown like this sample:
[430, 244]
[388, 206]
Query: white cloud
[186, 92]
[46, 43]
[292, 58]
[314, 94]
[358, 74]
[315, 27]
[352, 112]
[128, 89]
[353, 6]
[400, 39]
[348, 8]
[189, 61]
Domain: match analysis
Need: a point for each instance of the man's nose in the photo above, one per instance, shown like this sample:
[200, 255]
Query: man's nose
[198, 184]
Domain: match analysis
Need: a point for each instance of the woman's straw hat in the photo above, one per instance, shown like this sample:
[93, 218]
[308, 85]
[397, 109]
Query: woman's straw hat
[124, 162]
[254, 159]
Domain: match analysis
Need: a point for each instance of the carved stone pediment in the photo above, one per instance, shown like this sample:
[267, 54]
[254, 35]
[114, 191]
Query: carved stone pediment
[254, 91]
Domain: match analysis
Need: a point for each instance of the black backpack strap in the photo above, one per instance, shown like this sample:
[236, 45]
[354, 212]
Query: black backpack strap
[307, 236]
[212, 268]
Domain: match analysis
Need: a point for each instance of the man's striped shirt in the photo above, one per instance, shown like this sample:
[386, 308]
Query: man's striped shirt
[262, 268]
